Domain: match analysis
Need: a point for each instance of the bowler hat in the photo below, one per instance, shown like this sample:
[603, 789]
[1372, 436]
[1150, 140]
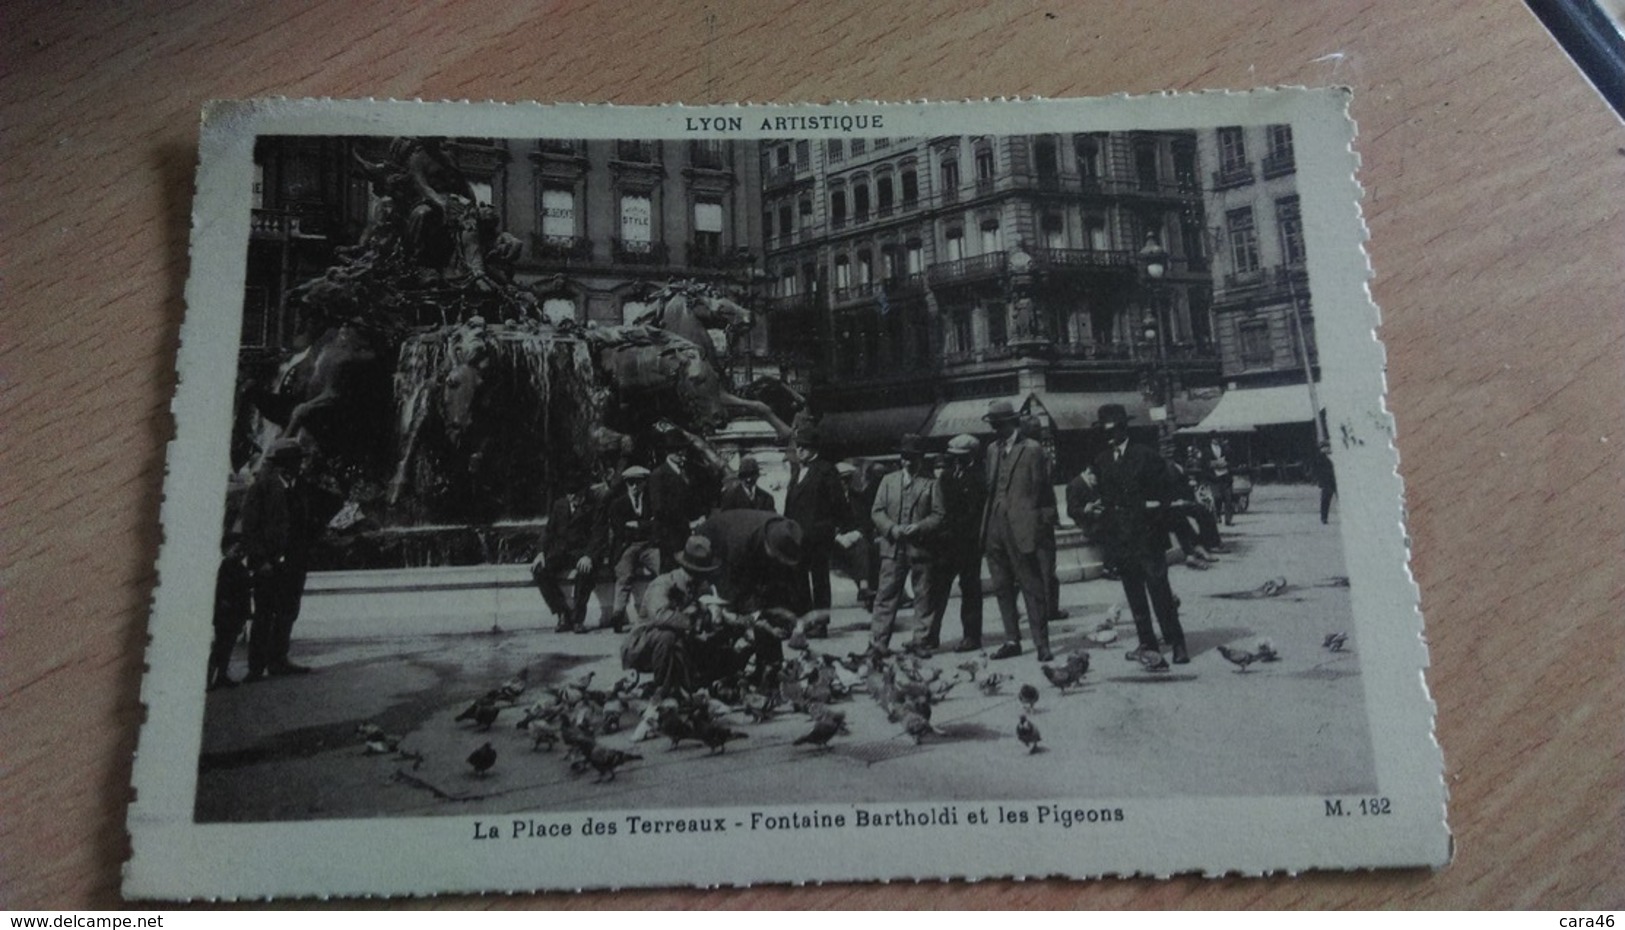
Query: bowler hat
[698, 558]
[964, 444]
[748, 468]
[1112, 413]
[782, 538]
[910, 445]
[284, 450]
[1001, 410]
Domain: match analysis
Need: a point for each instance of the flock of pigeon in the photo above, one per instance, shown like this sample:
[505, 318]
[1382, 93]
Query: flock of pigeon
[810, 683]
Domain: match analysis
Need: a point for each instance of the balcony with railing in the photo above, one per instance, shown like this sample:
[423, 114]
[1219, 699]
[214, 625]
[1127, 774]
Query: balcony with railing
[287, 224]
[1278, 164]
[561, 248]
[781, 176]
[968, 269]
[626, 252]
[853, 293]
[1115, 259]
[1233, 176]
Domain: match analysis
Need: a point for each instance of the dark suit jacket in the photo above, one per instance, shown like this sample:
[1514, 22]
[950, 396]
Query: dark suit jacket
[276, 519]
[1079, 495]
[673, 499]
[737, 498]
[1020, 498]
[819, 503]
[750, 577]
[1133, 531]
[568, 536]
[964, 498]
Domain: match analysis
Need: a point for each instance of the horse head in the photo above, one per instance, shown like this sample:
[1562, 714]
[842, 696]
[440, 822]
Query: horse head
[468, 357]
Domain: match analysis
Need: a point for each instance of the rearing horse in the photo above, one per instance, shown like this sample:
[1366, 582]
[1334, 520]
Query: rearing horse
[691, 311]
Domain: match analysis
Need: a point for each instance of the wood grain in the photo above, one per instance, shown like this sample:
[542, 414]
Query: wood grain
[1492, 175]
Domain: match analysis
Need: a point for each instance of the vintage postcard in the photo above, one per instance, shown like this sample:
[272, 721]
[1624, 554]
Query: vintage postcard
[579, 497]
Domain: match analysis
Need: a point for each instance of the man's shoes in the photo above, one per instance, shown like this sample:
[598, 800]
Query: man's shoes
[1059, 615]
[1008, 651]
[968, 645]
[254, 674]
[289, 668]
[1181, 657]
[222, 680]
[581, 629]
[1044, 655]
[930, 643]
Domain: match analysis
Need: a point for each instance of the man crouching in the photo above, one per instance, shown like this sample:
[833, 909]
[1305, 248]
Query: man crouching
[662, 642]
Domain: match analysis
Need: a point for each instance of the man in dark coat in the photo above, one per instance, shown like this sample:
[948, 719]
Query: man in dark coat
[233, 605]
[760, 553]
[1326, 477]
[1136, 491]
[746, 495]
[625, 539]
[277, 533]
[675, 501]
[565, 555]
[817, 501]
[958, 543]
[1020, 517]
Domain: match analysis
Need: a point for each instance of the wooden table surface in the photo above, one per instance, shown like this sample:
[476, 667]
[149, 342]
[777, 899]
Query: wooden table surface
[1493, 179]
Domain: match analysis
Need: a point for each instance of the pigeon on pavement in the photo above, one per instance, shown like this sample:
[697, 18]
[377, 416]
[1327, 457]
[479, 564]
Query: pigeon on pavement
[482, 759]
[1028, 734]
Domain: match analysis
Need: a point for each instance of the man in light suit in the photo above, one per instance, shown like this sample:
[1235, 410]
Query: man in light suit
[1020, 517]
[908, 509]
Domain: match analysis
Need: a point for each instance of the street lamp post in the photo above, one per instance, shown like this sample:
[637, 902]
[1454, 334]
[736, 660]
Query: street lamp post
[1154, 265]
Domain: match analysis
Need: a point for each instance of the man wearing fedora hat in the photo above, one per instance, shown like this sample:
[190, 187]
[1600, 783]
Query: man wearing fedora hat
[662, 643]
[745, 494]
[760, 552]
[277, 530]
[673, 499]
[907, 513]
[1136, 490]
[1020, 516]
[817, 500]
[959, 547]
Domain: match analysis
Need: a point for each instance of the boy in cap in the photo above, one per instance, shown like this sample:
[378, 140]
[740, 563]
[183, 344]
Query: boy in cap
[626, 540]
[1021, 515]
[1136, 491]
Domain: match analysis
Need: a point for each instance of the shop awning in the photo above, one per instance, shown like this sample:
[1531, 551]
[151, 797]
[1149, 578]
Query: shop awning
[872, 430]
[965, 416]
[1242, 410]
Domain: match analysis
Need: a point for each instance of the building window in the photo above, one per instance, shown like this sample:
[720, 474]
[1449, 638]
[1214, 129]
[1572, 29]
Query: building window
[1190, 233]
[882, 142]
[1087, 149]
[708, 228]
[1145, 164]
[961, 336]
[998, 332]
[1278, 159]
[1232, 150]
[1254, 337]
[557, 310]
[805, 208]
[950, 180]
[787, 283]
[1243, 240]
[1095, 225]
[1185, 170]
[781, 156]
[637, 226]
[837, 149]
[859, 146]
[1045, 164]
[990, 237]
[707, 153]
[843, 273]
[784, 221]
[911, 188]
[639, 150]
[955, 242]
[1054, 231]
[1290, 225]
[883, 193]
[916, 257]
[984, 164]
[865, 268]
[803, 153]
[558, 214]
[837, 208]
[860, 202]
[888, 263]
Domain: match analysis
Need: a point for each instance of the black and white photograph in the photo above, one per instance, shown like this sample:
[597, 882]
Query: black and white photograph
[779, 494]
